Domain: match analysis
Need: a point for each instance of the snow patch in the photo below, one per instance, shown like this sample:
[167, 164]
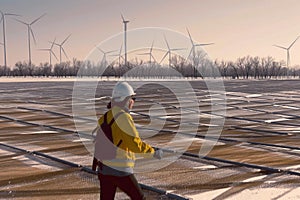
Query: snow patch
[205, 167]
[253, 95]
[41, 132]
[276, 120]
[288, 107]
[268, 193]
[35, 164]
[208, 195]
[254, 179]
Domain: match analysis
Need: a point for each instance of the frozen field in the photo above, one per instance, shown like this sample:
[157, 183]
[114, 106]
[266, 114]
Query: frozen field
[256, 156]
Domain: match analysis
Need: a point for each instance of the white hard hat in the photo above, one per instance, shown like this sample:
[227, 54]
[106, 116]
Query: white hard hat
[121, 91]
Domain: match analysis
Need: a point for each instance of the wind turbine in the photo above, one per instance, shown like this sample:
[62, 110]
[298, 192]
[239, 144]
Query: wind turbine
[50, 52]
[104, 55]
[4, 34]
[61, 49]
[125, 37]
[193, 51]
[169, 52]
[30, 32]
[119, 55]
[150, 54]
[288, 51]
[119, 60]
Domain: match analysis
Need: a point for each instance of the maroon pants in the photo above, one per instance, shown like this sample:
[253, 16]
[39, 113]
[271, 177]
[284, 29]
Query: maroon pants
[128, 184]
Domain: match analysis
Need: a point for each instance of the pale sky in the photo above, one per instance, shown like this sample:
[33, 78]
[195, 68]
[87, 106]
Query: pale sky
[237, 27]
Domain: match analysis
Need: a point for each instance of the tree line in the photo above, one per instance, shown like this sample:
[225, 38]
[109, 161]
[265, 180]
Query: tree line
[200, 67]
[257, 68]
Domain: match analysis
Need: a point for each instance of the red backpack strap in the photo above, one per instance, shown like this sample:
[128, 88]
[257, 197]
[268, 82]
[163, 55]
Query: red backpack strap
[105, 117]
[115, 118]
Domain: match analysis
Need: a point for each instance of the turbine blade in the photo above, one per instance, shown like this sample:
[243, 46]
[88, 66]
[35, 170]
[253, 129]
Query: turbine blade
[151, 46]
[122, 57]
[293, 42]
[53, 54]
[44, 49]
[203, 44]
[32, 35]
[190, 36]
[167, 42]
[65, 53]
[164, 57]
[288, 59]
[100, 49]
[65, 39]
[11, 14]
[190, 53]
[122, 18]
[111, 51]
[153, 58]
[280, 47]
[21, 21]
[121, 49]
[52, 43]
[38, 18]
[178, 49]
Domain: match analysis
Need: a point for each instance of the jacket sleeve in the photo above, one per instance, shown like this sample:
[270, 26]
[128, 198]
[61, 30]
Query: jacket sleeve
[130, 137]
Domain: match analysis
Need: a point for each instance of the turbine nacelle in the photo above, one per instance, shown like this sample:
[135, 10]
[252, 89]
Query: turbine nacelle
[192, 51]
[169, 51]
[123, 19]
[287, 50]
[104, 54]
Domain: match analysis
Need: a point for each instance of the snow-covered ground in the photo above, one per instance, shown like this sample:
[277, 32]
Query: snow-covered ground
[265, 109]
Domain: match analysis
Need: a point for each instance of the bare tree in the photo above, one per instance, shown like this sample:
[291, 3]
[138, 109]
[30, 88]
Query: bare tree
[235, 73]
[244, 65]
[256, 65]
[266, 65]
[222, 67]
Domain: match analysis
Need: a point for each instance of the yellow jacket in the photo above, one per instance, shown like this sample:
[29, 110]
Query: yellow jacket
[123, 129]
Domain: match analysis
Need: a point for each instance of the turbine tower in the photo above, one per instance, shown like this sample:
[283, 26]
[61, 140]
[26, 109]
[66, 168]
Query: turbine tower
[150, 54]
[288, 51]
[169, 52]
[30, 32]
[50, 52]
[4, 35]
[119, 60]
[125, 37]
[193, 51]
[119, 55]
[61, 49]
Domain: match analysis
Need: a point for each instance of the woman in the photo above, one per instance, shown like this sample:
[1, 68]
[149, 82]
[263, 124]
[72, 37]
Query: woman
[117, 142]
